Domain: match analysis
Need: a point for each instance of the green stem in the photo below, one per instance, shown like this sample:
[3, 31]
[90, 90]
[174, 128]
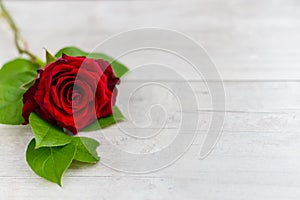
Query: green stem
[18, 39]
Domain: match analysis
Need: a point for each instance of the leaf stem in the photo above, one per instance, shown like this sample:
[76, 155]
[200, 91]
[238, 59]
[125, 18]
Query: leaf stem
[18, 39]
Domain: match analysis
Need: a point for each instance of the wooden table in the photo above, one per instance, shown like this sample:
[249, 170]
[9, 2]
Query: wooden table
[255, 46]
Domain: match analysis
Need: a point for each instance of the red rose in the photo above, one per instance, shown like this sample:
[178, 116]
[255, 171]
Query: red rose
[57, 99]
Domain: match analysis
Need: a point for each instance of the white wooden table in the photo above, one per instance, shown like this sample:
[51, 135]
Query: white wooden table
[256, 47]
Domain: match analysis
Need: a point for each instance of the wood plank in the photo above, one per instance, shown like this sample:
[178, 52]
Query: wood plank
[258, 152]
[246, 40]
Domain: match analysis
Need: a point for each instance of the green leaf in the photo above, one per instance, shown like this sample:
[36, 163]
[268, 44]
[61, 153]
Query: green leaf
[86, 149]
[70, 51]
[47, 135]
[101, 123]
[119, 68]
[49, 57]
[50, 162]
[13, 75]
[17, 66]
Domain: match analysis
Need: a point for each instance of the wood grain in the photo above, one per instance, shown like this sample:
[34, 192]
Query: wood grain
[246, 39]
[255, 45]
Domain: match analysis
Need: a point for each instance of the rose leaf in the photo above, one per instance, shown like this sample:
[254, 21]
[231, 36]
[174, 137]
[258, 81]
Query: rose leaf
[47, 135]
[50, 162]
[119, 68]
[86, 149]
[13, 75]
[104, 122]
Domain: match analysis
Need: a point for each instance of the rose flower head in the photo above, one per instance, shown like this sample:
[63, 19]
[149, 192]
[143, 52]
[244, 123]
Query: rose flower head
[72, 88]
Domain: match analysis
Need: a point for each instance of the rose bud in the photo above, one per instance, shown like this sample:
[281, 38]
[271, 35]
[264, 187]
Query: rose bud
[56, 98]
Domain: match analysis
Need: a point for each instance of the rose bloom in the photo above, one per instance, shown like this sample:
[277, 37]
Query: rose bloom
[56, 98]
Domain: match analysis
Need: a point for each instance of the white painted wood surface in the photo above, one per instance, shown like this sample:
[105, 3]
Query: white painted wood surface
[255, 45]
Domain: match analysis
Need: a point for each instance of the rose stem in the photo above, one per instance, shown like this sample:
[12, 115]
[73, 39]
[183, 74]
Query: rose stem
[17, 36]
